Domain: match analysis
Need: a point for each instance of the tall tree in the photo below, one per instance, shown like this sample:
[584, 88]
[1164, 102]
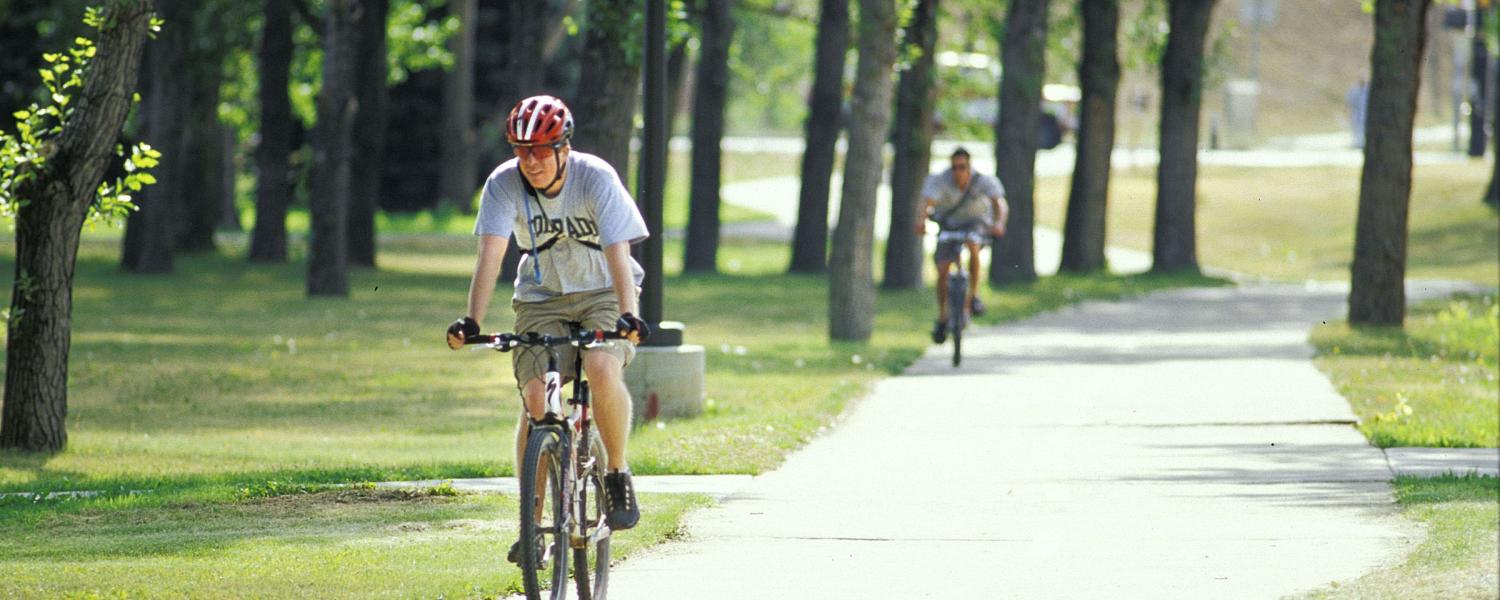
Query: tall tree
[1377, 294]
[1023, 58]
[1175, 245]
[202, 159]
[1492, 194]
[273, 188]
[459, 181]
[328, 258]
[1099, 74]
[369, 131]
[824, 120]
[53, 194]
[149, 231]
[712, 91]
[851, 282]
[611, 72]
[528, 27]
[915, 97]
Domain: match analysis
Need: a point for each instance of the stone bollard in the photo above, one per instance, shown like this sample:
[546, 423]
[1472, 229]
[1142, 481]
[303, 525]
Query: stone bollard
[666, 382]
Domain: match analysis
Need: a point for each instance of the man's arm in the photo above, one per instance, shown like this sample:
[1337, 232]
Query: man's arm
[924, 209]
[617, 257]
[486, 271]
[1002, 213]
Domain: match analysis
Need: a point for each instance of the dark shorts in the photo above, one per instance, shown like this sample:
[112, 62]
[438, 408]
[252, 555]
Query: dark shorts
[949, 243]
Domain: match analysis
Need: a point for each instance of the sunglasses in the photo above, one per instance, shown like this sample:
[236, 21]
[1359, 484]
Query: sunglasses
[535, 152]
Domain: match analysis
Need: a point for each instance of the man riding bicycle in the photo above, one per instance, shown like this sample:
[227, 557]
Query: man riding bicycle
[970, 209]
[574, 222]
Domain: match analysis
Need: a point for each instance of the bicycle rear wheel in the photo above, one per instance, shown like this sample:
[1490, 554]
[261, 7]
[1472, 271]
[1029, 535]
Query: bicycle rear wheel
[958, 293]
[590, 515]
[544, 529]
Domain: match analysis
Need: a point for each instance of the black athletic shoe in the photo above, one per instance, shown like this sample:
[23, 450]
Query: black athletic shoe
[939, 331]
[620, 500]
[514, 555]
[976, 307]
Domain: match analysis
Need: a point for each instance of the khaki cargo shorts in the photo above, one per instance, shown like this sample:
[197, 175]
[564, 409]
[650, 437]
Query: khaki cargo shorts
[598, 309]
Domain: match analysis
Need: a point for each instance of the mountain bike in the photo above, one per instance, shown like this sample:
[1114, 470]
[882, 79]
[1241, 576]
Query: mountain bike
[562, 477]
[958, 293]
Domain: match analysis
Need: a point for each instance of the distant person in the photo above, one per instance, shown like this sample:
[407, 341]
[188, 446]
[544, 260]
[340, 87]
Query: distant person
[971, 205]
[575, 223]
[1358, 100]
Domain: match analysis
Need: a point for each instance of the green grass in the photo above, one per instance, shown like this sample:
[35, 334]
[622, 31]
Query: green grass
[1458, 558]
[348, 543]
[1298, 223]
[1436, 383]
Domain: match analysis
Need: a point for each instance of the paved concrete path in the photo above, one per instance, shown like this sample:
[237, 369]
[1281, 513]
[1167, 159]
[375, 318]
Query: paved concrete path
[1177, 446]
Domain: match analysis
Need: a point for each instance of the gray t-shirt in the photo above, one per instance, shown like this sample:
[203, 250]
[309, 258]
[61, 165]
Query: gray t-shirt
[592, 212]
[976, 210]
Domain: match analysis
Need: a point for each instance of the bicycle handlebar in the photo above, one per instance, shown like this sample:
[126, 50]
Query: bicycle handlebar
[506, 342]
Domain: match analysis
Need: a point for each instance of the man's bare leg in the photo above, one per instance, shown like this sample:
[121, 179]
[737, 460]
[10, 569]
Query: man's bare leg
[611, 402]
[534, 394]
[973, 275]
[942, 289]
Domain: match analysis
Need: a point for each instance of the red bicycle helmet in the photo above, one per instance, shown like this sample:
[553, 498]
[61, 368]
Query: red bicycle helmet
[539, 121]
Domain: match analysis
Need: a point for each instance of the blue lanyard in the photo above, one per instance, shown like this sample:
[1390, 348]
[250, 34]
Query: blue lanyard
[536, 264]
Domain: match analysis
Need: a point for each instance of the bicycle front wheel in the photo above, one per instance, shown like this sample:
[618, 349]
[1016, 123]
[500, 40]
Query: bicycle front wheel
[591, 525]
[958, 297]
[544, 516]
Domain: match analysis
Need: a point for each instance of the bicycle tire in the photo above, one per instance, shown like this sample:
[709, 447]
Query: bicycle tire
[544, 443]
[958, 292]
[592, 490]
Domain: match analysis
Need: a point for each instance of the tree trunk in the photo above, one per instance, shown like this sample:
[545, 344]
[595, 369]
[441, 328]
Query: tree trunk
[851, 282]
[150, 231]
[915, 96]
[1175, 246]
[199, 201]
[460, 146]
[273, 187]
[229, 212]
[1024, 69]
[1377, 294]
[824, 120]
[1492, 196]
[527, 44]
[677, 80]
[604, 113]
[328, 258]
[1479, 53]
[1099, 72]
[702, 248]
[52, 210]
[369, 133]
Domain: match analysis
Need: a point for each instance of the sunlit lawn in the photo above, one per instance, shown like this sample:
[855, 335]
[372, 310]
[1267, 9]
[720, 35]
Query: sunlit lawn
[1297, 224]
[347, 543]
[1437, 383]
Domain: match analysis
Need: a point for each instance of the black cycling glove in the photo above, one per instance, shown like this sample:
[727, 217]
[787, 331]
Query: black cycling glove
[460, 330]
[628, 324]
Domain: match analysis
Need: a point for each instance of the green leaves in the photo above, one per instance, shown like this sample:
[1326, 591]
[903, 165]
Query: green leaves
[24, 154]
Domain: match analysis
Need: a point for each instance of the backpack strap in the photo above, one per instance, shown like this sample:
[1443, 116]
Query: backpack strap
[963, 201]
